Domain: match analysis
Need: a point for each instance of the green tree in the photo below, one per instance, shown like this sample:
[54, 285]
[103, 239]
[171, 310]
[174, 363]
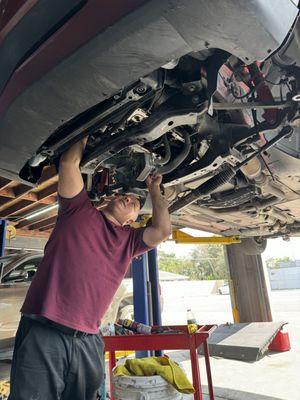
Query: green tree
[275, 262]
[209, 262]
[170, 263]
[204, 262]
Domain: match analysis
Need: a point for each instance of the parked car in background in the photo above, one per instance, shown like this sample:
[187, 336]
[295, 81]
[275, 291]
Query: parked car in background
[224, 289]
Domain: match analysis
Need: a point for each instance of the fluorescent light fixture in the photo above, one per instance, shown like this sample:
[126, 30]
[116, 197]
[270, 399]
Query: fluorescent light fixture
[40, 212]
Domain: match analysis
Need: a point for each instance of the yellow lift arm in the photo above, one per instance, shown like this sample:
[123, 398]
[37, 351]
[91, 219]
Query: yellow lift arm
[183, 238]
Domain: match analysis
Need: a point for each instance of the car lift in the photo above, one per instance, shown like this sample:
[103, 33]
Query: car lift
[4, 385]
[2, 236]
[183, 238]
[146, 290]
[180, 237]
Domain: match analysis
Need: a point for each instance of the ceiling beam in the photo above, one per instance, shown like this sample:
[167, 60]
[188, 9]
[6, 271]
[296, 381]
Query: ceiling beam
[21, 189]
[28, 222]
[29, 196]
[47, 192]
[33, 207]
[4, 183]
[42, 224]
[21, 207]
[26, 192]
[7, 192]
[14, 207]
[23, 199]
[38, 196]
[13, 193]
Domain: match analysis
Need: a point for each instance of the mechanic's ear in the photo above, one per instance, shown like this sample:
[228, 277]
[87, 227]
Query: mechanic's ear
[129, 222]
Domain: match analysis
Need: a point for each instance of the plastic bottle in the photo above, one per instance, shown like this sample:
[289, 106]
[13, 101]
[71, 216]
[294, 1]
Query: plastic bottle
[108, 330]
[135, 326]
[191, 321]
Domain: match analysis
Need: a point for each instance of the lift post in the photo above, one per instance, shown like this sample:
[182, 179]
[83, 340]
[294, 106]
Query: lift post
[248, 289]
[146, 292]
[140, 293]
[155, 290]
[2, 236]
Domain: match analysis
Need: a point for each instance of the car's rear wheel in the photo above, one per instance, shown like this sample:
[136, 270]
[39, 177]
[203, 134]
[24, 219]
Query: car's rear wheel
[253, 246]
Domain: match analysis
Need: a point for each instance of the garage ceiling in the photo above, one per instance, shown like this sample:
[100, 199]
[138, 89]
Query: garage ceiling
[30, 209]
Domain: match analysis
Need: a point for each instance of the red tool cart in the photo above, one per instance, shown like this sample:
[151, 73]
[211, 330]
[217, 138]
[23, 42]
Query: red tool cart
[167, 341]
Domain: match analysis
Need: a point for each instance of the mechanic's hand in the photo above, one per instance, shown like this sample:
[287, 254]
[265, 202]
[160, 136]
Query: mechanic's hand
[153, 182]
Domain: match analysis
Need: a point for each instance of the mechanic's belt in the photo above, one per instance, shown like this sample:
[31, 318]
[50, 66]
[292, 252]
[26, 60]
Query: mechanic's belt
[55, 325]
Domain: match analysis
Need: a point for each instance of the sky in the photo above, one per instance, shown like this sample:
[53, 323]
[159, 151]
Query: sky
[275, 248]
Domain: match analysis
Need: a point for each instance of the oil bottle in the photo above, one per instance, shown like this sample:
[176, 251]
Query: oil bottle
[191, 321]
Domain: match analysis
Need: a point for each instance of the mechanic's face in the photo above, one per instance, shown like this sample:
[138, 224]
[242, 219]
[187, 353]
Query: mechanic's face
[125, 208]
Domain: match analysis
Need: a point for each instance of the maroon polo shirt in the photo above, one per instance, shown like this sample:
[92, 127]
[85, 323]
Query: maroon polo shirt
[86, 258]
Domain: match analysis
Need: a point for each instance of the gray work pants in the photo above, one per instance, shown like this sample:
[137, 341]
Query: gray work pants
[51, 365]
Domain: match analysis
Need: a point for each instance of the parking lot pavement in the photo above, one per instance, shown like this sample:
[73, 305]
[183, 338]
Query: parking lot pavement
[180, 296]
[276, 376]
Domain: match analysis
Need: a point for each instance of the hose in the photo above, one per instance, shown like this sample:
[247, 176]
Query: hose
[165, 169]
[164, 160]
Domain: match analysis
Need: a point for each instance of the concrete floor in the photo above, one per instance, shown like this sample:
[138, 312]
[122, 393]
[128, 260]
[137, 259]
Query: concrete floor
[275, 377]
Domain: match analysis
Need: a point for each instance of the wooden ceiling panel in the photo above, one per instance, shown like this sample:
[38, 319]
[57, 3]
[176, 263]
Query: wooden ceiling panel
[4, 183]
[28, 209]
[30, 223]
[21, 189]
[44, 223]
[8, 192]
[47, 192]
[2, 200]
[13, 207]
[18, 200]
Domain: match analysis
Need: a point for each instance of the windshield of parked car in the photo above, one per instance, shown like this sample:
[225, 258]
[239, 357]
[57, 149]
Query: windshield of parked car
[18, 268]
[4, 263]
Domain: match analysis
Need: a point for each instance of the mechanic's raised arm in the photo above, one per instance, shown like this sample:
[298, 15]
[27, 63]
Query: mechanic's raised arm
[70, 181]
[160, 228]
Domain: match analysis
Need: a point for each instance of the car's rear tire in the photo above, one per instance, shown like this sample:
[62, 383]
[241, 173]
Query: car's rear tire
[253, 246]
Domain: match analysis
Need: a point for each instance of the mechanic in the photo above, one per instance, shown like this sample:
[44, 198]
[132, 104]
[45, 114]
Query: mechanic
[58, 350]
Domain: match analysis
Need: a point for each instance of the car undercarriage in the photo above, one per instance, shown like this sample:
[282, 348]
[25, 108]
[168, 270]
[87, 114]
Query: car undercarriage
[222, 129]
[220, 132]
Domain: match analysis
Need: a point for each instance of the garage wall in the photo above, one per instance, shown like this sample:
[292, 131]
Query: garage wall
[285, 278]
[26, 243]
